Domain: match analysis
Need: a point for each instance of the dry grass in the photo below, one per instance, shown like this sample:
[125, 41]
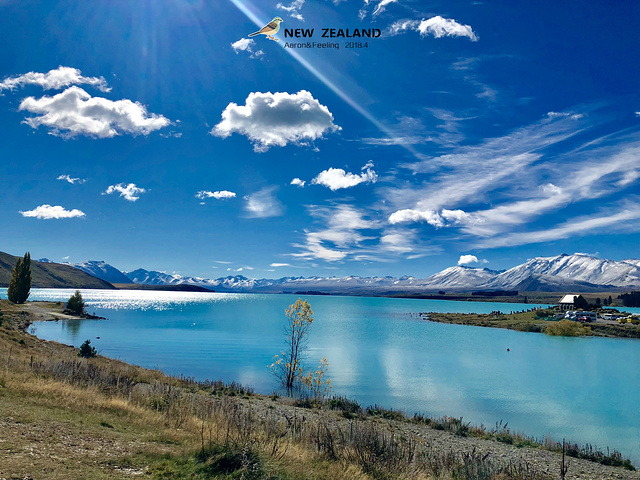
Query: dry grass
[65, 417]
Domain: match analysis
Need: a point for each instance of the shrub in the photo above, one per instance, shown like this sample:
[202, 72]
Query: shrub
[86, 350]
[567, 328]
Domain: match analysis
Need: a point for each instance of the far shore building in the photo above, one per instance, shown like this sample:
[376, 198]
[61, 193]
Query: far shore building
[573, 302]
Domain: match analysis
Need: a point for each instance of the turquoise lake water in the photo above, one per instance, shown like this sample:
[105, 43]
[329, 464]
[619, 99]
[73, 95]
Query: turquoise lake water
[379, 351]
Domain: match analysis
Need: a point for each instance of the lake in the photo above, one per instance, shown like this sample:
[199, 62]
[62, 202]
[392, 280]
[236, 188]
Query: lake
[379, 351]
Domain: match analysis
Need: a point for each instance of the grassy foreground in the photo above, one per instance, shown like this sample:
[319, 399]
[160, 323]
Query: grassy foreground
[65, 417]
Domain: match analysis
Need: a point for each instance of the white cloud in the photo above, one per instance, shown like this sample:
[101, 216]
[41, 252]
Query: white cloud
[263, 204]
[71, 180]
[382, 5]
[74, 112]
[220, 194]
[467, 259]
[574, 116]
[297, 182]
[130, 192]
[470, 174]
[437, 26]
[49, 212]
[246, 45]
[57, 79]
[337, 178]
[276, 119]
[342, 234]
[293, 10]
[409, 215]
[398, 242]
[625, 219]
[280, 265]
[637, 114]
[442, 219]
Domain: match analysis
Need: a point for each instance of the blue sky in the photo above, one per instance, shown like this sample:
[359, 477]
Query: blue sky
[156, 134]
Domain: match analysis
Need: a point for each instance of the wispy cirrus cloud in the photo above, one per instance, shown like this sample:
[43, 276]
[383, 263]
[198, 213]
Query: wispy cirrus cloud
[50, 212]
[74, 112]
[276, 119]
[263, 204]
[341, 236]
[497, 190]
[623, 219]
[380, 7]
[293, 9]
[437, 27]
[57, 79]
[129, 191]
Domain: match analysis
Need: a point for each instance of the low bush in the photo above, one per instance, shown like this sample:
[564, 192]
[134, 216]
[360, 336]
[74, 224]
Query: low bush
[567, 328]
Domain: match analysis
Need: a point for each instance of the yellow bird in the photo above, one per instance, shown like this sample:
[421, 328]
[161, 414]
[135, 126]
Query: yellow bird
[269, 29]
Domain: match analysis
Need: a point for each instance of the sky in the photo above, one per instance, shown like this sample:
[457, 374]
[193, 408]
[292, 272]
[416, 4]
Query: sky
[157, 134]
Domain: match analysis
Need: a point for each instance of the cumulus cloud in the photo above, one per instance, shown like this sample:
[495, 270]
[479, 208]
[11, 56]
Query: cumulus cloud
[220, 194]
[276, 119]
[263, 204]
[337, 178]
[280, 265]
[293, 9]
[71, 180]
[74, 112]
[48, 212]
[467, 259]
[437, 27]
[246, 45]
[57, 79]
[298, 182]
[441, 219]
[409, 215]
[130, 192]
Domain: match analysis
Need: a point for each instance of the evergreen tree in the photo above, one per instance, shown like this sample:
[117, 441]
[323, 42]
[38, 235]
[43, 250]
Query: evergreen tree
[86, 350]
[75, 304]
[20, 285]
[610, 300]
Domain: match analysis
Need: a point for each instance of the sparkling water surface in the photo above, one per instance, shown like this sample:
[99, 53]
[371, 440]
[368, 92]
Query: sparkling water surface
[379, 351]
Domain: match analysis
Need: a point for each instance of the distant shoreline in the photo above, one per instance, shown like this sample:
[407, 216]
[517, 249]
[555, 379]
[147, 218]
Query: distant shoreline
[528, 322]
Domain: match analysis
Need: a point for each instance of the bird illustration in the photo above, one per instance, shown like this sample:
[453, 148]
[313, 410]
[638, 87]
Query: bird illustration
[269, 29]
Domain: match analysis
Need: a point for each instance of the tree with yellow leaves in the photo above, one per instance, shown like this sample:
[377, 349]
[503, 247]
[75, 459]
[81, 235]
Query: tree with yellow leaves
[288, 365]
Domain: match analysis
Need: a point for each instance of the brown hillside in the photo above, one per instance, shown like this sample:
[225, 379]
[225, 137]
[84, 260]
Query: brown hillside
[50, 275]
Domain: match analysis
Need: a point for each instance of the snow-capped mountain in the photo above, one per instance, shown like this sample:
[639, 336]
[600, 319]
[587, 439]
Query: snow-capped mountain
[578, 272]
[459, 278]
[577, 268]
[103, 271]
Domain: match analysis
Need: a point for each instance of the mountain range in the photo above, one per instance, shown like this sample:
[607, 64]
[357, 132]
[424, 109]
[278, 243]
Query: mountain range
[578, 272]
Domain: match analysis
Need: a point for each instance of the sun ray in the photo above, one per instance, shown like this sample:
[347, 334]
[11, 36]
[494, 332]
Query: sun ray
[260, 19]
